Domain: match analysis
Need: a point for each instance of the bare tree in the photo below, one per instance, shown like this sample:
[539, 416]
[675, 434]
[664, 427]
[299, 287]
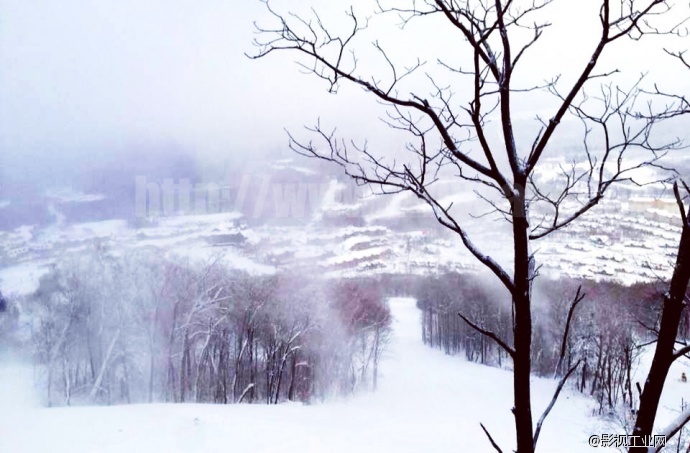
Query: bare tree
[674, 304]
[665, 353]
[452, 135]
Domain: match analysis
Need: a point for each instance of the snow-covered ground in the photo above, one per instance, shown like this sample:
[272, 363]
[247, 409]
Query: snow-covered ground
[426, 402]
[23, 278]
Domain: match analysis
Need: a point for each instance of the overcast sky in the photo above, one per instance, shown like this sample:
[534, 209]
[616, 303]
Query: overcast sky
[83, 74]
[84, 78]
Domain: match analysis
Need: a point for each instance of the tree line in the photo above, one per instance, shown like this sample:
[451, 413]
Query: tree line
[136, 327]
[606, 332]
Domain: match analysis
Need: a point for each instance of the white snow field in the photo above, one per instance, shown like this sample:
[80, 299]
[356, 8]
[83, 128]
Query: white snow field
[426, 402]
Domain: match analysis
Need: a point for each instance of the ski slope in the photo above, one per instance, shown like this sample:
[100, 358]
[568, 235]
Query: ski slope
[426, 402]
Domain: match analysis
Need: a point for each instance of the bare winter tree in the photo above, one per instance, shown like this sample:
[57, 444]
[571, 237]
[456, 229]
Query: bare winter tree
[674, 304]
[449, 115]
[665, 353]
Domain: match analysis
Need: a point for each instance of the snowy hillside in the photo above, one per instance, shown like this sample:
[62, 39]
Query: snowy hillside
[626, 238]
[426, 402]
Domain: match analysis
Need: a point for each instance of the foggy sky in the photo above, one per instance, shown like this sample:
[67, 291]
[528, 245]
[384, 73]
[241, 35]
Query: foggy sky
[78, 76]
[82, 79]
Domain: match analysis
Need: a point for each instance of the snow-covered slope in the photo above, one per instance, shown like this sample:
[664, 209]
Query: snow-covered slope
[426, 402]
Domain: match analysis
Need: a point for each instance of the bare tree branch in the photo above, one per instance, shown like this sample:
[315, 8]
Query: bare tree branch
[579, 296]
[561, 383]
[679, 201]
[491, 439]
[488, 333]
[673, 428]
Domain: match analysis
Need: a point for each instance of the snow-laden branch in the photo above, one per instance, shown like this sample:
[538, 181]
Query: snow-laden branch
[672, 429]
[564, 379]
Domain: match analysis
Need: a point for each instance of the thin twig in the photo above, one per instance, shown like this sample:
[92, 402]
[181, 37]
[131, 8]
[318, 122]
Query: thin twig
[491, 439]
[553, 401]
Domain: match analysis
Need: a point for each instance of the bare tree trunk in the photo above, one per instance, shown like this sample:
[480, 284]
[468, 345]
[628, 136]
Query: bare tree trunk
[50, 384]
[377, 354]
[597, 370]
[151, 374]
[104, 366]
[66, 378]
[152, 349]
[171, 347]
[238, 364]
[583, 381]
[522, 328]
[293, 369]
[283, 361]
[125, 382]
[664, 355]
[185, 367]
[253, 359]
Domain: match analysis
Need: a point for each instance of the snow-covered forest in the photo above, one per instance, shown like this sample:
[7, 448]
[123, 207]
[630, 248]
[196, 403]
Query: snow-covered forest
[138, 328]
[185, 332]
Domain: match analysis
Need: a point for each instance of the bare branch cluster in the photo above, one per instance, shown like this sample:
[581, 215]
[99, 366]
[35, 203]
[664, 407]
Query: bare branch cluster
[449, 132]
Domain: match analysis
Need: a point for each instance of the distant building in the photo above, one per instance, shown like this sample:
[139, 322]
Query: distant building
[643, 204]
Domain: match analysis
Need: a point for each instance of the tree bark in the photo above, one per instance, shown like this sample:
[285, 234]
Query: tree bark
[522, 327]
